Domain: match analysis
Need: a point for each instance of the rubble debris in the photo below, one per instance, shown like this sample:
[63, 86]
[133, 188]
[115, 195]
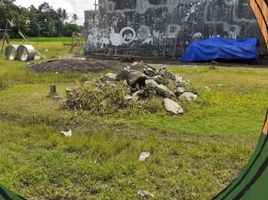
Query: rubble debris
[151, 85]
[84, 78]
[136, 77]
[150, 72]
[160, 80]
[123, 74]
[179, 91]
[144, 156]
[173, 106]
[145, 193]
[179, 79]
[164, 91]
[167, 74]
[108, 77]
[146, 88]
[67, 133]
[188, 96]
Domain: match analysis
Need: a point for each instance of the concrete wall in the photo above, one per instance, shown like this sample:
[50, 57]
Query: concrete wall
[165, 27]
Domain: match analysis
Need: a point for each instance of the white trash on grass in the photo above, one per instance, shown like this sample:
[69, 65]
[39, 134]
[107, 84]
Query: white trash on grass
[144, 156]
[67, 133]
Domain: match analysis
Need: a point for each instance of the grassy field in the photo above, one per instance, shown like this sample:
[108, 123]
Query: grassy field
[193, 156]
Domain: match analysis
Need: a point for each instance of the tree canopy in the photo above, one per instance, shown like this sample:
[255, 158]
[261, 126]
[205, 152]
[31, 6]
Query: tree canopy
[38, 21]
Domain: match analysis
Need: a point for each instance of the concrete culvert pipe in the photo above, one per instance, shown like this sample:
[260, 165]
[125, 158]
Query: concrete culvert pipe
[11, 51]
[26, 52]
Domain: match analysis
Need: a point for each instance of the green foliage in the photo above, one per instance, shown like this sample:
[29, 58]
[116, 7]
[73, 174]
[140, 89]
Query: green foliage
[41, 21]
[69, 29]
[97, 99]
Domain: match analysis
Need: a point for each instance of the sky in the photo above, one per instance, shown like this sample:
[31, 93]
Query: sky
[71, 6]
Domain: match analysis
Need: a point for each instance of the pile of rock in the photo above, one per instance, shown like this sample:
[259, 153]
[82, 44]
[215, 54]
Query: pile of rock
[143, 81]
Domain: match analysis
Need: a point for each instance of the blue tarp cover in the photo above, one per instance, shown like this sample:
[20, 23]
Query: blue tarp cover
[220, 48]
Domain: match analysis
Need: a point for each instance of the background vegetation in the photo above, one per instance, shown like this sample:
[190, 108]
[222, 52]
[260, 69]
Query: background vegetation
[41, 21]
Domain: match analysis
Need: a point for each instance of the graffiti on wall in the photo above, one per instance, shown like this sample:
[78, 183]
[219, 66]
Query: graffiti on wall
[152, 22]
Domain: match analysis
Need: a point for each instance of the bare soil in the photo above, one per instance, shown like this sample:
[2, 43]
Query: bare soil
[78, 65]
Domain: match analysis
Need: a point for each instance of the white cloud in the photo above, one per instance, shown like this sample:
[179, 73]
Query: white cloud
[72, 6]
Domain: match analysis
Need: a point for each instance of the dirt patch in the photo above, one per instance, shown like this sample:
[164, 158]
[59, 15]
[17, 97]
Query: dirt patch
[78, 65]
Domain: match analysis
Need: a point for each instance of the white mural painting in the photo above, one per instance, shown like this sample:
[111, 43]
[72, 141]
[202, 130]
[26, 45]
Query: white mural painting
[141, 22]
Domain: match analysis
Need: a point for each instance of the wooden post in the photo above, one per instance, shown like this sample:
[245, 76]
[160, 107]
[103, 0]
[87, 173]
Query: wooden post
[4, 39]
[260, 9]
[53, 89]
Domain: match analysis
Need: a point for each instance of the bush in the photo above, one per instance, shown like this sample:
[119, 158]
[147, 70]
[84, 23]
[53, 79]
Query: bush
[108, 99]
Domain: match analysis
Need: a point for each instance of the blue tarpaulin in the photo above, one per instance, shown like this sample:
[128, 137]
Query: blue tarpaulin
[221, 49]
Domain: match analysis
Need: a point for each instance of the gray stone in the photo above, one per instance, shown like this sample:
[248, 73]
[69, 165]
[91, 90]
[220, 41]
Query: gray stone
[180, 91]
[69, 92]
[173, 107]
[150, 72]
[188, 96]
[178, 79]
[167, 74]
[164, 91]
[138, 65]
[84, 78]
[182, 84]
[140, 94]
[108, 77]
[129, 98]
[145, 194]
[151, 85]
[123, 74]
[136, 95]
[160, 80]
[136, 77]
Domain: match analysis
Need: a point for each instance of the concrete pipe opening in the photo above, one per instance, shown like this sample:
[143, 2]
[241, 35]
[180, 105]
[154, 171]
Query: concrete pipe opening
[26, 52]
[11, 52]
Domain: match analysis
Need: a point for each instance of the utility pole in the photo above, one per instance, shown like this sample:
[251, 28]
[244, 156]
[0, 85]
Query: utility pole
[96, 5]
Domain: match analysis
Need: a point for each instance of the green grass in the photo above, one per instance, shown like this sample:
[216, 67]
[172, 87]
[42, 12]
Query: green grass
[193, 156]
[47, 39]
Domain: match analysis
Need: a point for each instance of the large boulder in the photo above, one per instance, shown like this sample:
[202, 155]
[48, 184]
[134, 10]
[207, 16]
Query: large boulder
[179, 91]
[167, 74]
[136, 77]
[160, 80]
[151, 85]
[173, 107]
[150, 72]
[123, 74]
[163, 91]
[188, 96]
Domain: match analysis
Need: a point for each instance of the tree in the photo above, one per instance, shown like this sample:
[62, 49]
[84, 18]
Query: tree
[40, 21]
[70, 28]
[74, 18]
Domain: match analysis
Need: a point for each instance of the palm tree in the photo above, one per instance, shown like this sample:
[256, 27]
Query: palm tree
[74, 18]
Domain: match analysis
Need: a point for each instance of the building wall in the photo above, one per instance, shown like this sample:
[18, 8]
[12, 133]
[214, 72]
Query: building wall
[166, 27]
